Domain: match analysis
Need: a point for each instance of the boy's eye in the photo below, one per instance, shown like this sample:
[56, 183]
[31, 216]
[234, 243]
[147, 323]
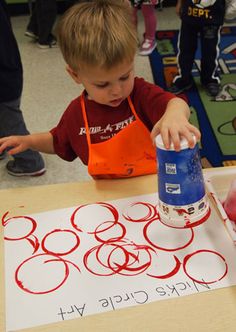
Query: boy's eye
[124, 78]
[106, 84]
[101, 86]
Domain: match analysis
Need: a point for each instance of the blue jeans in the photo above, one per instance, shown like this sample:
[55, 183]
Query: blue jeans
[12, 123]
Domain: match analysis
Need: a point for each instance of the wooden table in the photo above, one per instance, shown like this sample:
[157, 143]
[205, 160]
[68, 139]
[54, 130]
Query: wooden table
[208, 311]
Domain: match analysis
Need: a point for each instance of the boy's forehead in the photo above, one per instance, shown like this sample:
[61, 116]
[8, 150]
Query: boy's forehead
[106, 74]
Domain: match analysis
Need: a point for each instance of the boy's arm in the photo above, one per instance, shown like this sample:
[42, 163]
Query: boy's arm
[42, 142]
[174, 124]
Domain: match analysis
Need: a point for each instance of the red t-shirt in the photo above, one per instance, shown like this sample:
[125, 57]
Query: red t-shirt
[69, 137]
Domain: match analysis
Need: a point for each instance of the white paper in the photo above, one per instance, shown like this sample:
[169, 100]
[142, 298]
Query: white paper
[89, 259]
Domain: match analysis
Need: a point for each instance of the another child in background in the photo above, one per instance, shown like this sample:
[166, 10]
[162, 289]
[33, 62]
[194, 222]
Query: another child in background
[27, 163]
[41, 23]
[203, 18]
[108, 127]
[150, 21]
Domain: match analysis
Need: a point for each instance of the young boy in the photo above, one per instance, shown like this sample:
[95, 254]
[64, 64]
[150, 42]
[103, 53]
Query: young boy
[108, 127]
[203, 18]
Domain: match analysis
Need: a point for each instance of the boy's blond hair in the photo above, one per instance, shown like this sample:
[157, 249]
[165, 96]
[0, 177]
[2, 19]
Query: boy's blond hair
[97, 33]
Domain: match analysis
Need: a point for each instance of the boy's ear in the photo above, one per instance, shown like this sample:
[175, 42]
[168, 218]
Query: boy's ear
[73, 74]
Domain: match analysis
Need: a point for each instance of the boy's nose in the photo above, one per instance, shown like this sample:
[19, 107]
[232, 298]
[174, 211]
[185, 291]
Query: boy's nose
[116, 89]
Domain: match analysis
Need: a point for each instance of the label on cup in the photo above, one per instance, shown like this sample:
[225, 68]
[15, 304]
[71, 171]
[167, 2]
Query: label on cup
[181, 188]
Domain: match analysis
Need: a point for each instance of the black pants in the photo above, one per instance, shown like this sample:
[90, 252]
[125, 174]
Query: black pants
[42, 19]
[188, 42]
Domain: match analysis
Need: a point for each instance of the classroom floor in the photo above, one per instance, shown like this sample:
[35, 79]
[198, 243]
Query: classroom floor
[48, 90]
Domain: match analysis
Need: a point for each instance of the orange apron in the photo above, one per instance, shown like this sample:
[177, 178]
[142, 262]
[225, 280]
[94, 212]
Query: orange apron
[129, 153]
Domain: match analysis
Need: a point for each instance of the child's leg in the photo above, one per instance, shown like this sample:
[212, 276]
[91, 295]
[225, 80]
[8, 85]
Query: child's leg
[135, 16]
[12, 122]
[46, 16]
[210, 39]
[33, 24]
[150, 21]
[187, 45]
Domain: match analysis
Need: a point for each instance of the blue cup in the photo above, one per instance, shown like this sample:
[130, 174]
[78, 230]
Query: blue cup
[182, 197]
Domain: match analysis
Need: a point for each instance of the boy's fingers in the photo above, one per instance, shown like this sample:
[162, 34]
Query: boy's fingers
[7, 143]
[165, 138]
[155, 131]
[191, 139]
[14, 151]
[4, 139]
[197, 133]
[175, 139]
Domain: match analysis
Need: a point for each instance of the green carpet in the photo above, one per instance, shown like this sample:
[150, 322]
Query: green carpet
[215, 117]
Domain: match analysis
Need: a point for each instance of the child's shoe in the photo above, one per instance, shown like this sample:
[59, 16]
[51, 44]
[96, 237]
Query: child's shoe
[52, 42]
[177, 89]
[212, 89]
[147, 46]
[31, 34]
[17, 170]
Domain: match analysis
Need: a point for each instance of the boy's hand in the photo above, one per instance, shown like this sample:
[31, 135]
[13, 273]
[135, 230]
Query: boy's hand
[14, 144]
[173, 125]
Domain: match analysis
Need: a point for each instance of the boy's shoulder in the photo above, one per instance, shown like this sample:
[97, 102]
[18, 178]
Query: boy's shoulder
[143, 89]
[75, 102]
[73, 107]
[141, 84]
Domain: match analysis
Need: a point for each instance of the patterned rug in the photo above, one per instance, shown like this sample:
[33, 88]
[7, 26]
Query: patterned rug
[215, 116]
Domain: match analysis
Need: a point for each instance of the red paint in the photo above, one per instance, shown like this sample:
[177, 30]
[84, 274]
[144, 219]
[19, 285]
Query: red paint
[151, 215]
[145, 234]
[5, 222]
[229, 204]
[190, 224]
[114, 254]
[171, 273]
[131, 264]
[111, 239]
[32, 239]
[188, 257]
[55, 258]
[111, 208]
[77, 240]
[181, 211]
[20, 283]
